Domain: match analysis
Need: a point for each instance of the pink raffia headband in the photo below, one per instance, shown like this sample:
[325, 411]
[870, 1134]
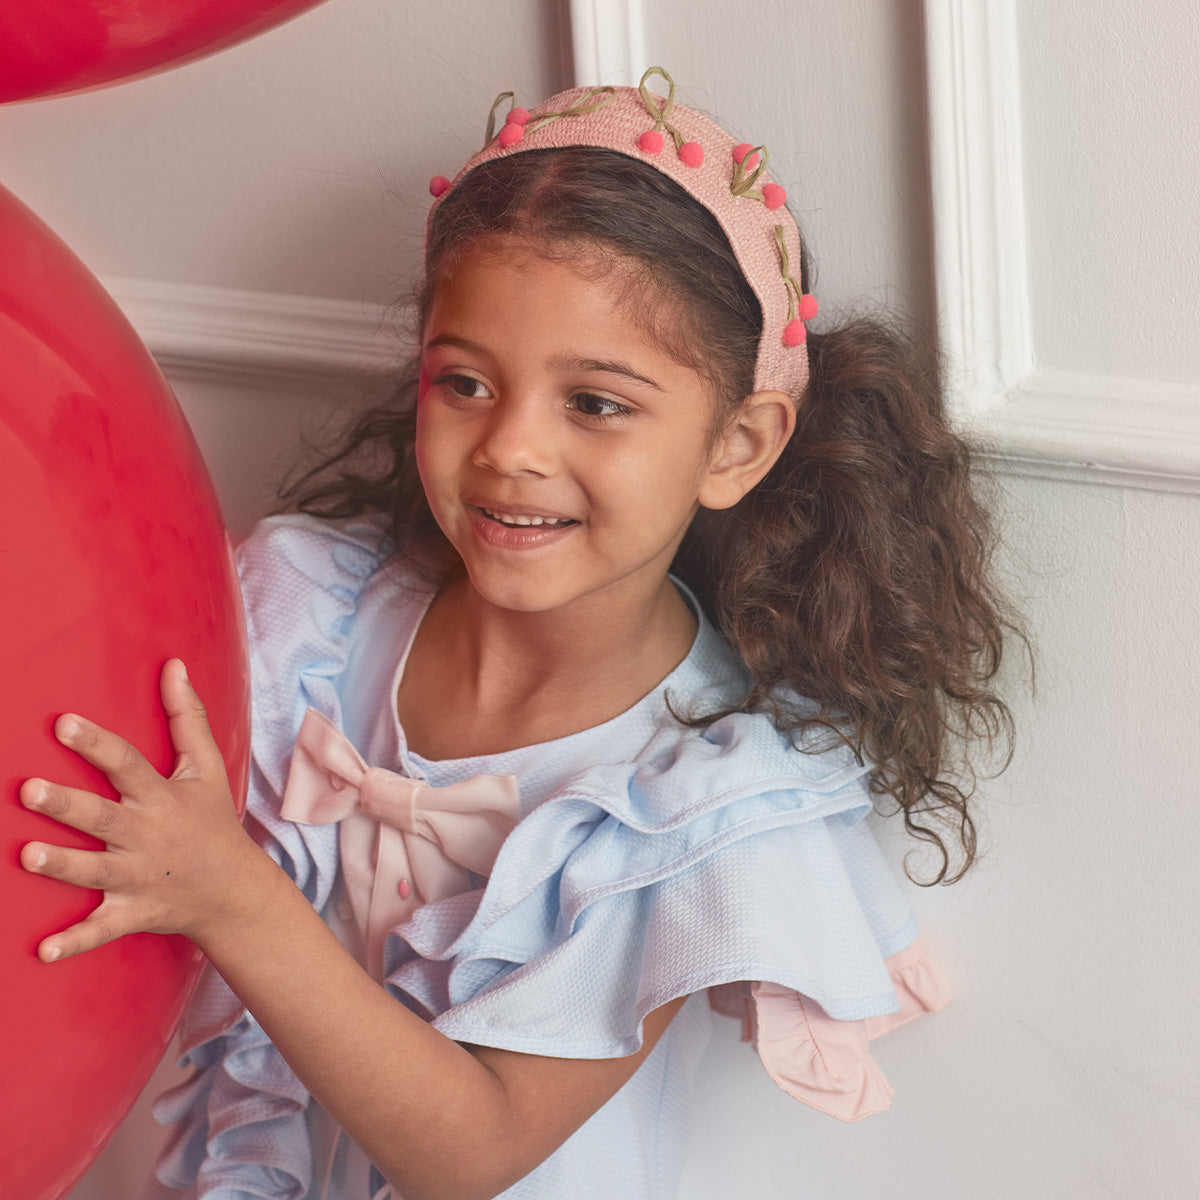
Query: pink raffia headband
[728, 177]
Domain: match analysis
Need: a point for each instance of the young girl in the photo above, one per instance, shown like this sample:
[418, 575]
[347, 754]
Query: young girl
[523, 802]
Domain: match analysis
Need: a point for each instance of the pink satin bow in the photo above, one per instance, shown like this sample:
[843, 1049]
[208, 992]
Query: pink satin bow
[402, 842]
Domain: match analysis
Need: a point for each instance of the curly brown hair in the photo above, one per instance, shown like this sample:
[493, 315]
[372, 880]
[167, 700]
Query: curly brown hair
[854, 580]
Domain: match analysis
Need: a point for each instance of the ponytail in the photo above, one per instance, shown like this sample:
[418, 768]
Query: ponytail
[854, 582]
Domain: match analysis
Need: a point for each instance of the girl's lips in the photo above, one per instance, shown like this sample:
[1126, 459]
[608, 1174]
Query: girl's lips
[519, 530]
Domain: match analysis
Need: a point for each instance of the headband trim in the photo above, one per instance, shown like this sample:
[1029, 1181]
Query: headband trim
[734, 185]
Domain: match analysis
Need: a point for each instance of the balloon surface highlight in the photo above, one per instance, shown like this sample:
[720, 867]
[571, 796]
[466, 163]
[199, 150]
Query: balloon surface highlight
[114, 560]
[50, 47]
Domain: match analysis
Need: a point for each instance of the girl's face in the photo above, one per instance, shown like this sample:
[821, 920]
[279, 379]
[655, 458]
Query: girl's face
[563, 453]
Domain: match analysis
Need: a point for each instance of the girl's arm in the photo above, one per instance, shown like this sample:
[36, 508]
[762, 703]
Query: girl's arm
[437, 1118]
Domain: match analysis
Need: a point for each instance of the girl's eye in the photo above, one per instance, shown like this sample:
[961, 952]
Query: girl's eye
[465, 387]
[598, 407]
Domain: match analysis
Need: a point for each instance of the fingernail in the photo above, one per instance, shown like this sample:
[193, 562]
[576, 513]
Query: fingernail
[53, 954]
[183, 670]
[68, 729]
[40, 861]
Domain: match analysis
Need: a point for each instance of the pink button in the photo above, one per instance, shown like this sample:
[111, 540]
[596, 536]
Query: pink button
[404, 890]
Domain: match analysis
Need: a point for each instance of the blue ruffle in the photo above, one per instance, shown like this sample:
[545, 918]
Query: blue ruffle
[240, 1129]
[721, 856]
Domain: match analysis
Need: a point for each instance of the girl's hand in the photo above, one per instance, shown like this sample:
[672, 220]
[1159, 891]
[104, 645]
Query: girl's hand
[173, 846]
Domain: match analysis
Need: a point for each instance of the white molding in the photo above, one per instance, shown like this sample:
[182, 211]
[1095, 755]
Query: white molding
[1097, 429]
[607, 42]
[978, 194]
[1064, 424]
[241, 337]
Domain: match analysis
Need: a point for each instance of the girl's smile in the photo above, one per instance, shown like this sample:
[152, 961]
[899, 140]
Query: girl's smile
[562, 451]
[517, 531]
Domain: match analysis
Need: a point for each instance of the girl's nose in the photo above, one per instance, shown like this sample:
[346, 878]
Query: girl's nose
[517, 439]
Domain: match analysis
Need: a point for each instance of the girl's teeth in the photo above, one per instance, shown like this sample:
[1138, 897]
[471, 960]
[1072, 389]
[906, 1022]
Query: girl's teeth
[510, 519]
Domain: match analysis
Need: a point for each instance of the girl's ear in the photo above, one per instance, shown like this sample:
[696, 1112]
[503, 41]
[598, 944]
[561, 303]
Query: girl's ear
[747, 450]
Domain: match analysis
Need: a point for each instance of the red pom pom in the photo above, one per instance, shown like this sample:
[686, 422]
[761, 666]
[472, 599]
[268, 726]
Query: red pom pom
[438, 186]
[794, 333]
[510, 135]
[740, 152]
[651, 141]
[517, 116]
[691, 154]
[808, 306]
[773, 195]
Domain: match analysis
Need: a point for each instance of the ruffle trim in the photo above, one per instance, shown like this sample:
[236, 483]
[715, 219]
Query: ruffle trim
[298, 654]
[298, 563]
[239, 1122]
[611, 921]
[239, 1125]
[826, 1063]
[621, 828]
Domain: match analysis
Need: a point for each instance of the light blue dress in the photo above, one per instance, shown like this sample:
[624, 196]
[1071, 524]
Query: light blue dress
[651, 861]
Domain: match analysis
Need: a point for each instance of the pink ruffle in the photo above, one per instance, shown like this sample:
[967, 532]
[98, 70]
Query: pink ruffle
[818, 1060]
[920, 988]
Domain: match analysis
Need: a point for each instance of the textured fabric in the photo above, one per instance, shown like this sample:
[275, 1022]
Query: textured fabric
[651, 861]
[749, 222]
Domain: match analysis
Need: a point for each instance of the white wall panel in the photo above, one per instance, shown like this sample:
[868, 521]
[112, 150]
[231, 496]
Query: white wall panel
[1064, 188]
[1112, 173]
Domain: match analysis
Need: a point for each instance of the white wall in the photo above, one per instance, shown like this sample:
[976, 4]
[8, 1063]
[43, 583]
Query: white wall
[1112, 150]
[296, 165]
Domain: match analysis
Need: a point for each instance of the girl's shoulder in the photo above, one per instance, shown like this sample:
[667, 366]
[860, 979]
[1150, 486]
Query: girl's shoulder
[702, 782]
[306, 583]
[327, 553]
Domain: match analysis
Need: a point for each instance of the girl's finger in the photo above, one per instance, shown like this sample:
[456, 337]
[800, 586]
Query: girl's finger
[122, 762]
[93, 869]
[195, 747]
[79, 809]
[96, 929]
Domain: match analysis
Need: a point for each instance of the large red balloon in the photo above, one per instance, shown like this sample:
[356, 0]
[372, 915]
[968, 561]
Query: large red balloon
[114, 560]
[48, 47]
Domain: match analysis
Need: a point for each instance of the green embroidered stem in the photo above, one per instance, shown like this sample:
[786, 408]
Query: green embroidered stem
[491, 124]
[661, 115]
[591, 102]
[649, 99]
[793, 288]
[596, 98]
[743, 182]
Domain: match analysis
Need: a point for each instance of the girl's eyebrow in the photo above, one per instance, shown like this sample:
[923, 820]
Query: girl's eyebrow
[611, 366]
[451, 339]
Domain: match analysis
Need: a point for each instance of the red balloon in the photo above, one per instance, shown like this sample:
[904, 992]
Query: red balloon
[114, 560]
[48, 47]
